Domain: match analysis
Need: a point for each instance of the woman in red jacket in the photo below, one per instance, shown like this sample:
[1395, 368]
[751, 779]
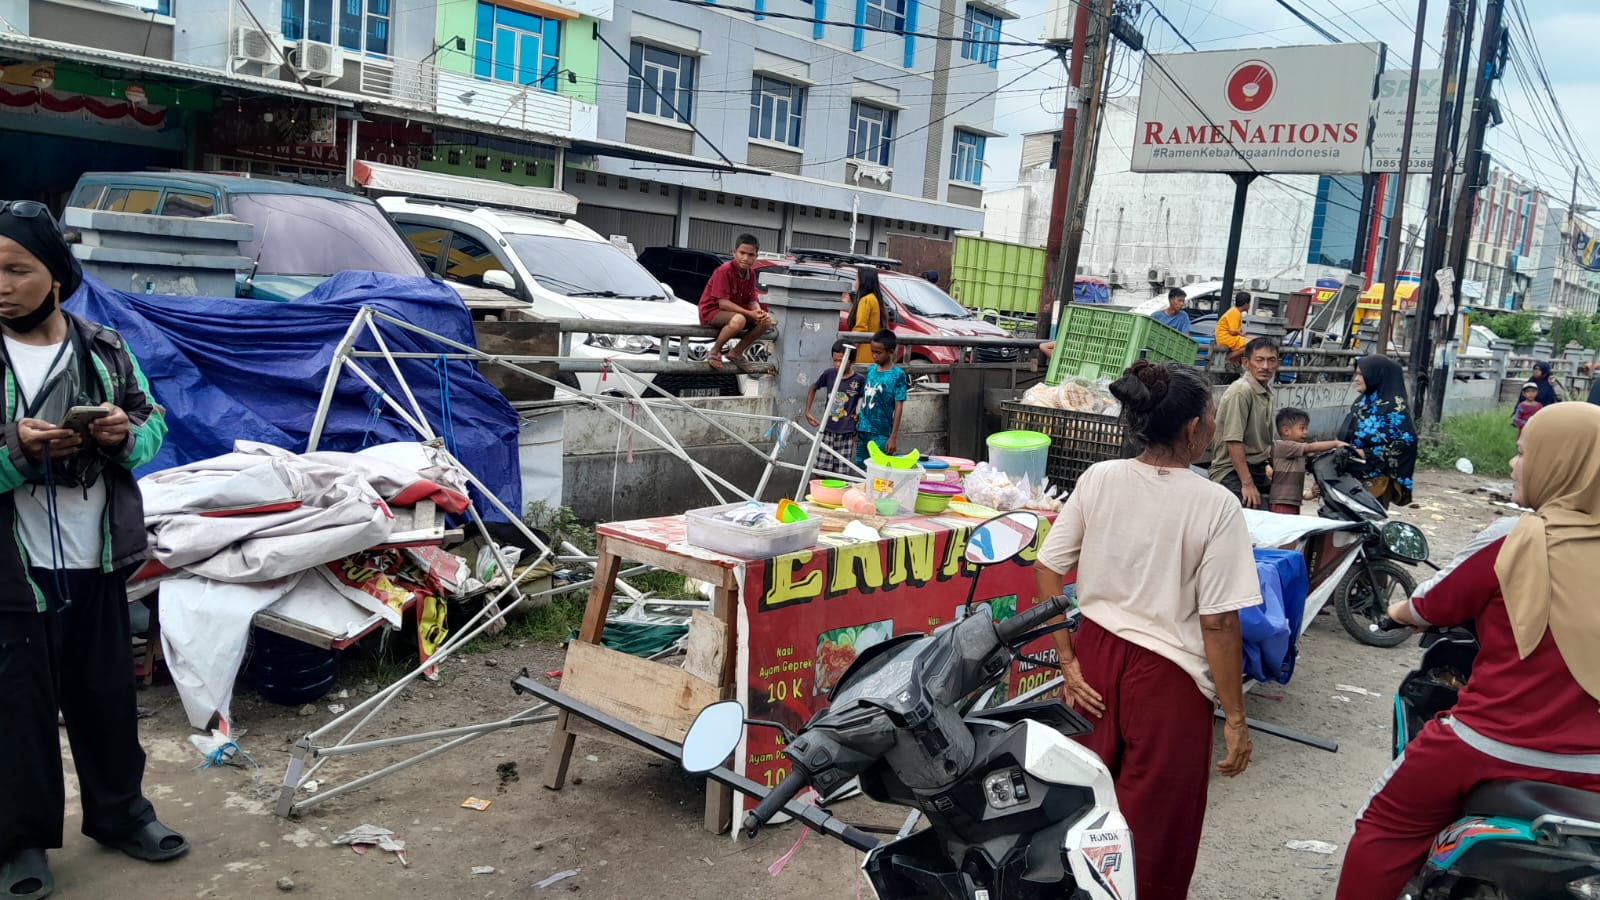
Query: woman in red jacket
[1528, 712]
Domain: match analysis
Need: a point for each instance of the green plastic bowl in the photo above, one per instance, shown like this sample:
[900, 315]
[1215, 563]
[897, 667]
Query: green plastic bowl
[929, 504]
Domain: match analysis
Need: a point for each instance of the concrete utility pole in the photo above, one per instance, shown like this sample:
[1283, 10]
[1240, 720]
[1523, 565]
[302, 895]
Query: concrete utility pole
[1440, 181]
[1063, 186]
[1085, 146]
[1391, 251]
[1490, 63]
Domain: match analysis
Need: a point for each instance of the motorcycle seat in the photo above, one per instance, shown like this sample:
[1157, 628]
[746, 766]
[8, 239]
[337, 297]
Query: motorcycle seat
[1528, 800]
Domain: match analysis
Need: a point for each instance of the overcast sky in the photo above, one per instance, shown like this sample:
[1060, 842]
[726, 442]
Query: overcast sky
[1529, 143]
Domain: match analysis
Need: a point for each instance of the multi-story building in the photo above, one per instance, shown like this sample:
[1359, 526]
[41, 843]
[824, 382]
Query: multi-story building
[673, 122]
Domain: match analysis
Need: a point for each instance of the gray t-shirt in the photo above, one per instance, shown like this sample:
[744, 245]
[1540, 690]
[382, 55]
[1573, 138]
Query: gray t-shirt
[80, 511]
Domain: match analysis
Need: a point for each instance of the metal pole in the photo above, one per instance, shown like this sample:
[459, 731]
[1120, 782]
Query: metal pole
[1066, 160]
[1230, 265]
[320, 420]
[1391, 253]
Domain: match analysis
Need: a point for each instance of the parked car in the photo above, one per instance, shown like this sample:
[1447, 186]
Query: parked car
[303, 234]
[684, 270]
[563, 269]
[913, 307]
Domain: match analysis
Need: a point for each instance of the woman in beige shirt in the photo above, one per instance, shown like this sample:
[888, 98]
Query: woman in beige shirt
[1164, 564]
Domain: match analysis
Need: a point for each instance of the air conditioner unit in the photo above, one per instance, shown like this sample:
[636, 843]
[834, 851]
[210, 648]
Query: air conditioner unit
[1081, 270]
[1258, 284]
[1155, 276]
[1114, 277]
[1190, 279]
[1174, 281]
[318, 60]
[252, 45]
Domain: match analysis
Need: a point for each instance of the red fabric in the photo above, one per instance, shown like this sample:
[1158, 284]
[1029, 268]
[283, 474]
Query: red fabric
[1155, 737]
[261, 510]
[727, 284]
[1534, 702]
[1284, 509]
[423, 489]
[1395, 833]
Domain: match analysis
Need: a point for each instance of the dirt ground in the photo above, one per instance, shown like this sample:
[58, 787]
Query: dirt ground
[629, 824]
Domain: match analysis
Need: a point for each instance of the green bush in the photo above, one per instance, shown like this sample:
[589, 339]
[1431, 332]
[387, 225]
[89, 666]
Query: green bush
[1486, 438]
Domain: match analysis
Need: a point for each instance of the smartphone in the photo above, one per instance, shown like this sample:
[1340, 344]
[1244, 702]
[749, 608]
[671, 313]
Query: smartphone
[79, 417]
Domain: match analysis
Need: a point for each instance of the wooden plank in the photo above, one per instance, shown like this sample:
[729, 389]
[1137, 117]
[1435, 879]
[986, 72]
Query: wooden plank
[606, 567]
[724, 610]
[707, 647]
[712, 573]
[660, 699]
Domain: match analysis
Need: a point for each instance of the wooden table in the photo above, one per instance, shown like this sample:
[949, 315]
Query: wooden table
[660, 698]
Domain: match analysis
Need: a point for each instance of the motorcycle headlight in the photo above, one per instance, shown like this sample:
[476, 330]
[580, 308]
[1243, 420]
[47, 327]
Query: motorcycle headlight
[1586, 888]
[623, 343]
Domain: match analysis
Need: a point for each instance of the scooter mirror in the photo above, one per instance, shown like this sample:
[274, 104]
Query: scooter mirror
[713, 736]
[1405, 541]
[1002, 537]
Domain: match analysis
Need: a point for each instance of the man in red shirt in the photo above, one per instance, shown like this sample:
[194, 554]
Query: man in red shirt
[729, 302]
[1528, 711]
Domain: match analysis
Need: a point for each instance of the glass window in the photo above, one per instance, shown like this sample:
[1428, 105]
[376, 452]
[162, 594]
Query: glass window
[132, 200]
[469, 260]
[871, 132]
[579, 268]
[361, 26]
[88, 197]
[660, 80]
[776, 110]
[966, 157]
[924, 298]
[890, 14]
[301, 235]
[427, 240]
[981, 27]
[188, 206]
[517, 47]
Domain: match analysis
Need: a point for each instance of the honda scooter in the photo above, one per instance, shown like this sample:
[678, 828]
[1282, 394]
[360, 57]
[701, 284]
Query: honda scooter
[1515, 840]
[1016, 810]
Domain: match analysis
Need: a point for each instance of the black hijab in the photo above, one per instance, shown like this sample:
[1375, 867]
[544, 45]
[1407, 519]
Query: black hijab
[1380, 424]
[1541, 379]
[41, 236]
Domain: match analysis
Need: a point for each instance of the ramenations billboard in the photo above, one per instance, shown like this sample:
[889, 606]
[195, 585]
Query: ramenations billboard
[1285, 109]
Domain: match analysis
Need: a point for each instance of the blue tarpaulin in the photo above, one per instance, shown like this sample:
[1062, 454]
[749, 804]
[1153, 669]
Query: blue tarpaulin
[1271, 630]
[230, 369]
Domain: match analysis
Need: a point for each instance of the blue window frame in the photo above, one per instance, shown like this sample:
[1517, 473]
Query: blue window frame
[660, 80]
[981, 27]
[966, 157]
[777, 109]
[871, 132]
[361, 26]
[516, 47]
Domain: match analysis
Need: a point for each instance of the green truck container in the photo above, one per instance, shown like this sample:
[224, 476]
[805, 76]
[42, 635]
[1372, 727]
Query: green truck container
[986, 274]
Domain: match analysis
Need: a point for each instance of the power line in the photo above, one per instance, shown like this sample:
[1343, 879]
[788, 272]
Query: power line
[767, 14]
[1310, 24]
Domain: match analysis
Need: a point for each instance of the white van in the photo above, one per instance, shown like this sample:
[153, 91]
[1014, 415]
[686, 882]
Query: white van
[563, 270]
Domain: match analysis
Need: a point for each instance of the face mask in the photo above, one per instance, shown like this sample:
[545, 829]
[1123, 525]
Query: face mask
[26, 323]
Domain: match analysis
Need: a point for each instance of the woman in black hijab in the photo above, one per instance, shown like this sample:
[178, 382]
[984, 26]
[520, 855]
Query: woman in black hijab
[69, 501]
[1547, 387]
[1380, 426]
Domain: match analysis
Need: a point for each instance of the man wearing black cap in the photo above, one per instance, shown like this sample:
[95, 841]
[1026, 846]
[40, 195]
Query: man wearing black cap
[68, 496]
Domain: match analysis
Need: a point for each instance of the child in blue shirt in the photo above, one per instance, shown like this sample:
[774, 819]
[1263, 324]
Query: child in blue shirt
[883, 399]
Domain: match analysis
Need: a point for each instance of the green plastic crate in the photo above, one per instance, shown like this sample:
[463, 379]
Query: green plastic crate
[1097, 342]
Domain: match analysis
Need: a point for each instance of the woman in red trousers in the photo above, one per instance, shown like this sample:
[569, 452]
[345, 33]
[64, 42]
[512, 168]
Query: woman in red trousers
[1164, 564]
[1528, 712]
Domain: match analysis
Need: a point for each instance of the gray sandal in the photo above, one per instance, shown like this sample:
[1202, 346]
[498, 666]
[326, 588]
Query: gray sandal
[151, 842]
[26, 876]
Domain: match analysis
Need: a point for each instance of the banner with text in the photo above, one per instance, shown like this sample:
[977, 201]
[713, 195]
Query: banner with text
[1281, 109]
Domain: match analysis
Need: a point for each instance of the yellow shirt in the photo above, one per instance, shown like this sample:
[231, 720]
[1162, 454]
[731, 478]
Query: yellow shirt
[1230, 330]
[869, 319]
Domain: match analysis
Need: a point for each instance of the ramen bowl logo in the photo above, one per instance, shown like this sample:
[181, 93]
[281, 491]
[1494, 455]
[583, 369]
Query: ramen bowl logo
[1251, 85]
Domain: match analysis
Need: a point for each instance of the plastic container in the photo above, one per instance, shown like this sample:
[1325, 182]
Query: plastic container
[901, 484]
[934, 496]
[705, 528]
[887, 506]
[1077, 440]
[1020, 454]
[829, 490]
[1099, 342]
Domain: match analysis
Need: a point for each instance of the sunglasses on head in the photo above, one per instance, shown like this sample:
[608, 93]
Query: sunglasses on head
[23, 209]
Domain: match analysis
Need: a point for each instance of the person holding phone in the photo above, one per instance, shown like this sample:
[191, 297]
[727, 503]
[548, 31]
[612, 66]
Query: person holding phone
[69, 499]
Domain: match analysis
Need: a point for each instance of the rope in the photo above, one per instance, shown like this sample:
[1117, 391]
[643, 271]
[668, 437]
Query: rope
[224, 755]
[58, 547]
[447, 428]
[373, 418]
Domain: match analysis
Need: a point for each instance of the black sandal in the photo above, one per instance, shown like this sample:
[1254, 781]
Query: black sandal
[151, 842]
[26, 876]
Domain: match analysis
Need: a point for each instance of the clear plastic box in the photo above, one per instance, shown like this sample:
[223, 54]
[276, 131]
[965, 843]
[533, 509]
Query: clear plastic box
[705, 529]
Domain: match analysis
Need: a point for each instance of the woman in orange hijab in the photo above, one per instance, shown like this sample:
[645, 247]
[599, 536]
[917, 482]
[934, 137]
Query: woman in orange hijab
[1531, 709]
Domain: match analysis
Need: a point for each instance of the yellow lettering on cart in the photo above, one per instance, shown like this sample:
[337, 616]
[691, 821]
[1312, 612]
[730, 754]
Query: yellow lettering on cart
[782, 587]
[854, 567]
[955, 551]
[912, 559]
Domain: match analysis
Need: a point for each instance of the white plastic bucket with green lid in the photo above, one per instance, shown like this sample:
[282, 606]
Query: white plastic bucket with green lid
[1020, 454]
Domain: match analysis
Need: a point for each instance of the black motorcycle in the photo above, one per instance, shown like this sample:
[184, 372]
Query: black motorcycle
[1515, 840]
[1370, 558]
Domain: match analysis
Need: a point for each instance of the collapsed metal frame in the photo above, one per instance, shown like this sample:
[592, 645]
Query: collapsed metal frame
[314, 749]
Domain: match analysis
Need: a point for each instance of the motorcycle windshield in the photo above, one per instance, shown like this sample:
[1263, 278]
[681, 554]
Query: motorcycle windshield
[882, 678]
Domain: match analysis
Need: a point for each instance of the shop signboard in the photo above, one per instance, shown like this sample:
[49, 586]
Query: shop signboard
[1389, 121]
[1280, 109]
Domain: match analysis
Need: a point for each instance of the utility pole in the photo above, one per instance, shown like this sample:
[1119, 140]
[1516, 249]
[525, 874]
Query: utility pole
[1570, 246]
[1440, 181]
[1085, 146]
[1490, 64]
[1065, 160]
[1391, 252]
